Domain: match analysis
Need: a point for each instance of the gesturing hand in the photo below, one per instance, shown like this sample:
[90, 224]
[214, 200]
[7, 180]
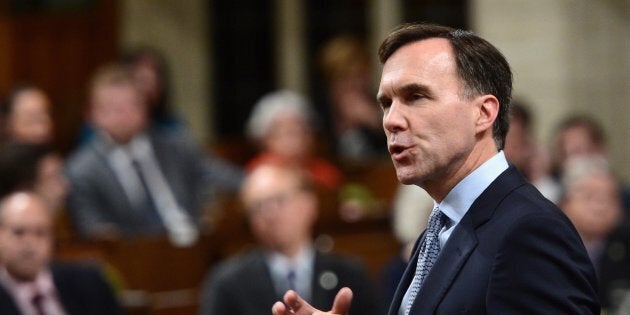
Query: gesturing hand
[294, 304]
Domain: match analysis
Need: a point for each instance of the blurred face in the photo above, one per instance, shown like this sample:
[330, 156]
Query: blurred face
[30, 120]
[518, 145]
[430, 129]
[280, 213]
[25, 236]
[574, 142]
[120, 111]
[289, 137]
[593, 205]
[148, 81]
[51, 182]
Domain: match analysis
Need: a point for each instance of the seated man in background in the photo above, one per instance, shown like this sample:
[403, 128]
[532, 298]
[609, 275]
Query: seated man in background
[134, 180]
[591, 200]
[282, 207]
[29, 282]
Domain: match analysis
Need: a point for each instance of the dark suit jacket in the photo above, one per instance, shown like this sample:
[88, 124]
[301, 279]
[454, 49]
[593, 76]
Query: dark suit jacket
[514, 252]
[97, 197]
[613, 268]
[242, 285]
[82, 290]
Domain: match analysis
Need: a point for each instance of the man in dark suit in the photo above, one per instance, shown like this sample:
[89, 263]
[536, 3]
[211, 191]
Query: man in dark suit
[29, 282]
[494, 244]
[281, 207]
[133, 179]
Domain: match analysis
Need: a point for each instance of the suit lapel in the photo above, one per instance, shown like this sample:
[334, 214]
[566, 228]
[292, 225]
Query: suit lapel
[262, 283]
[406, 278]
[7, 304]
[452, 257]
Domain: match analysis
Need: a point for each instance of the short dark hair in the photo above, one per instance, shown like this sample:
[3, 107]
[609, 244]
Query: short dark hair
[482, 67]
[19, 164]
[519, 111]
[593, 128]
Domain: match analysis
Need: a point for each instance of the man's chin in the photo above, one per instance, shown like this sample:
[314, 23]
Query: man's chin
[406, 177]
[23, 274]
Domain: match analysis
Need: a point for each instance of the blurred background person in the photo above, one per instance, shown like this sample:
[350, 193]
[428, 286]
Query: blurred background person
[134, 180]
[282, 207]
[528, 156]
[283, 125]
[355, 117]
[35, 167]
[592, 201]
[26, 116]
[151, 73]
[30, 283]
[583, 136]
[578, 135]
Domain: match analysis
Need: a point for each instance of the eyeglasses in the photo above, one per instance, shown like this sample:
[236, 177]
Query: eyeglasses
[272, 203]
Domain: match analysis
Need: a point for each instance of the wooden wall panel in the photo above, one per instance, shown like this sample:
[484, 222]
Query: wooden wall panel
[58, 49]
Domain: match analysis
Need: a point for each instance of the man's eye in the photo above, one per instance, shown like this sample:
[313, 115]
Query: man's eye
[385, 103]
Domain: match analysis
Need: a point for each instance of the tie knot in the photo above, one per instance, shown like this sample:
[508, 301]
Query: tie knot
[291, 279]
[437, 219]
[37, 300]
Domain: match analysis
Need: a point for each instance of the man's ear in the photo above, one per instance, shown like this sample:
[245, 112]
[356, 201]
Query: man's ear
[488, 112]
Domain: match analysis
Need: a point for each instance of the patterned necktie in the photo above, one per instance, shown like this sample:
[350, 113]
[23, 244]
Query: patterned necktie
[429, 251]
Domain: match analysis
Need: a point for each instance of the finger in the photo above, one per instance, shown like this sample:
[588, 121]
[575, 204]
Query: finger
[278, 309]
[342, 302]
[297, 305]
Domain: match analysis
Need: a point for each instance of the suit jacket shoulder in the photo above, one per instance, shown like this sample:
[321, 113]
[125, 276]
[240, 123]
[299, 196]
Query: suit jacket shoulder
[333, 272]
[514, 252]
[83, 289]
[239, 285]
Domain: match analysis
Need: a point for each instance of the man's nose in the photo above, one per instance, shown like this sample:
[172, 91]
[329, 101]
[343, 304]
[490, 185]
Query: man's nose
[394, 118]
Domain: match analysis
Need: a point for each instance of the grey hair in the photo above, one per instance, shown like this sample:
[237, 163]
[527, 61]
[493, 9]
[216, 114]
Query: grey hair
[583, 166]
[271, 105]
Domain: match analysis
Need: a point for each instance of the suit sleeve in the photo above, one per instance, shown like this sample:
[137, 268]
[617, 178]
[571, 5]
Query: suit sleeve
[84, 206]
[542, 268]
[215, 297]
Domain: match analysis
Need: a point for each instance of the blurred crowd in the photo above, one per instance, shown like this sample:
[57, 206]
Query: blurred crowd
[136, 172]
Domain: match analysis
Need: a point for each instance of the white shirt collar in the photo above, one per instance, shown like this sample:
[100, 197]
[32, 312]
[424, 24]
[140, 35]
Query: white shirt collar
[302, 264]
[462, 196]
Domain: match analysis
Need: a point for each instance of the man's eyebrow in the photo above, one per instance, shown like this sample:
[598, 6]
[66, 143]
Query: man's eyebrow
[406, 89]
[415, 88]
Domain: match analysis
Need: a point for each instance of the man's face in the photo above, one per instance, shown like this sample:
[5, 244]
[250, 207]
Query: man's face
[280, 213]
[593, 205]
[25, 236]
[120, 111]
[51, 182]
[289, 137]
[518, 145]
[575, 142]
[430, 126]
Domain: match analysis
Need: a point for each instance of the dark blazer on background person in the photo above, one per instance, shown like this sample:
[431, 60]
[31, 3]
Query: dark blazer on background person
[242, 285]
[82, 290]
[513, 252]
[97, 197]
